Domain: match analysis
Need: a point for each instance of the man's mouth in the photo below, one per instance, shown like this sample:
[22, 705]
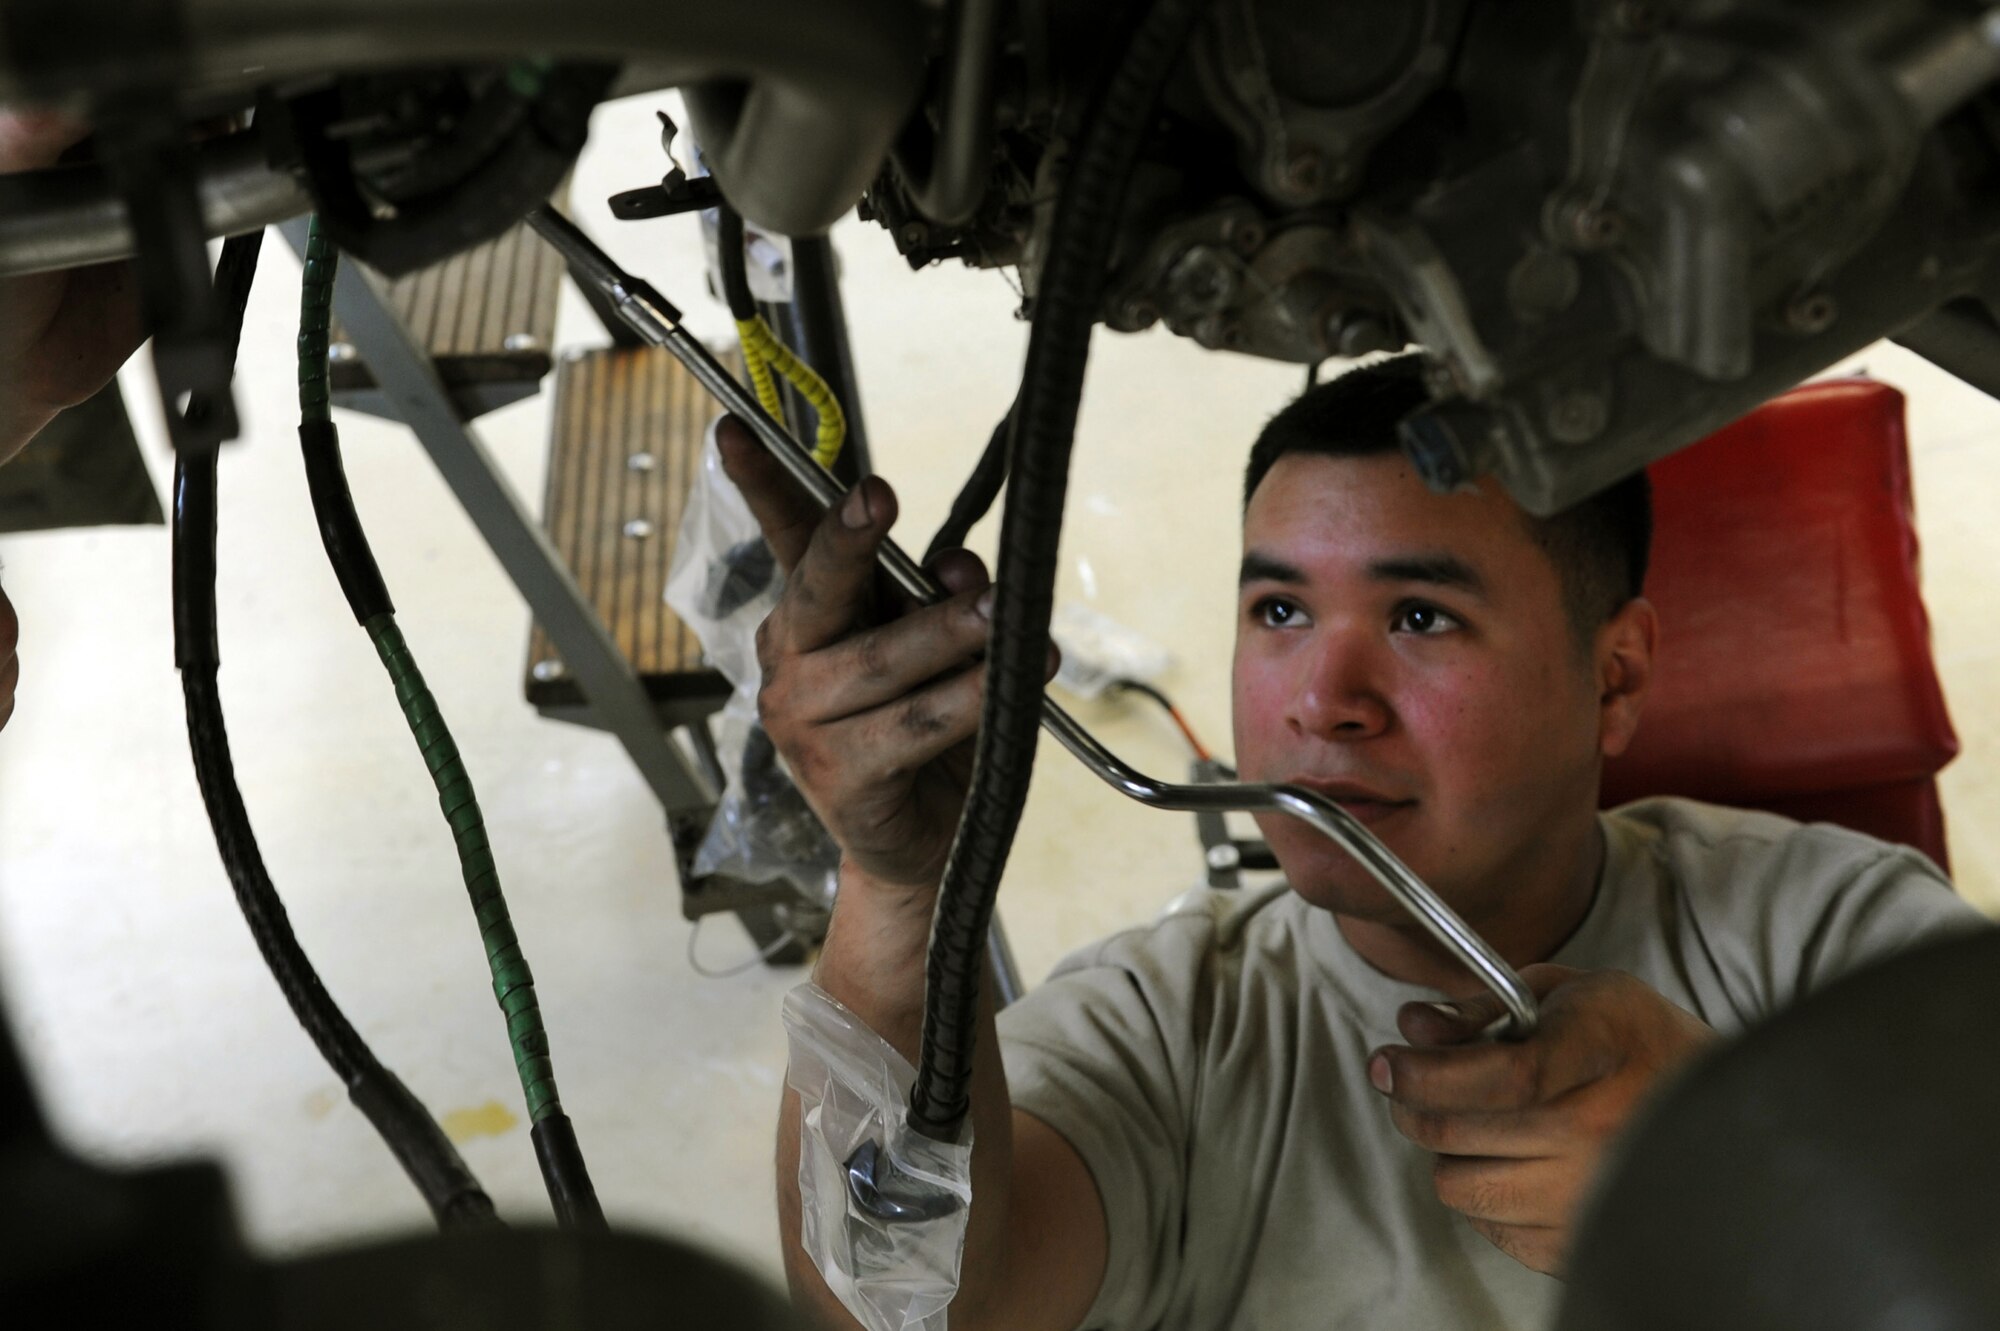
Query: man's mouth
[1365, 805]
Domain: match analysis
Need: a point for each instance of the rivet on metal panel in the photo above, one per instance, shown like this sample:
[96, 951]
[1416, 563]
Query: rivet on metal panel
[638, 529]
[342, 351]
[521, 342]
[547, 670]
[1811, 313]
[640, 462]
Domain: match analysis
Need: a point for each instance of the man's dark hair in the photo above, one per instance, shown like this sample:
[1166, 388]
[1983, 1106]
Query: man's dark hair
[1599, 547]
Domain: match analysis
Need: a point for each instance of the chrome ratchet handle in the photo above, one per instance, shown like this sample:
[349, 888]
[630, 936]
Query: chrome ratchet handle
[658, 322]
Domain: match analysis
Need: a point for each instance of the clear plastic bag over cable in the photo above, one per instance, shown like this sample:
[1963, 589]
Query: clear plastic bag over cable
[722, 583]
[893, 1274]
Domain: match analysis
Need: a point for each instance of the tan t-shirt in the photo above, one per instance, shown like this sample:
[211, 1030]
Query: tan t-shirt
[1210, 1068]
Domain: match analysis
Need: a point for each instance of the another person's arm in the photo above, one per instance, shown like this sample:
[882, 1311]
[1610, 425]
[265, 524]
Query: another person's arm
[62, 334]
[875, 721]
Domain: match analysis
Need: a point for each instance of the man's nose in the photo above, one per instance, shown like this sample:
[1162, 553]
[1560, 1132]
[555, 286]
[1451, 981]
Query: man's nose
[1342, 694]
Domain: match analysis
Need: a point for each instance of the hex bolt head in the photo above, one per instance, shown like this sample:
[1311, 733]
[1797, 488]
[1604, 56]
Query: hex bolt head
[1598, 228]
[1578, 416]
[1812, 313]
[1202, 281]
[1305, 173]
[1246, 238]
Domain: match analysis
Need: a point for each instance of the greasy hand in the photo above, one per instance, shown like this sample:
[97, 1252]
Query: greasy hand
[1518, 1128]
[64, 334]
[874, 718]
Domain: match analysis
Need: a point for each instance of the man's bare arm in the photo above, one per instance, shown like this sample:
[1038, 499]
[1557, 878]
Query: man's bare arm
[875, 721]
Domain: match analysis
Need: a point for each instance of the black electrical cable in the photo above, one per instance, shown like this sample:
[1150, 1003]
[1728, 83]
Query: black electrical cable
[564, 1173]
[735, 268]
[415, 1139]
[1080, 243]
[976, 498]
[1174, 714]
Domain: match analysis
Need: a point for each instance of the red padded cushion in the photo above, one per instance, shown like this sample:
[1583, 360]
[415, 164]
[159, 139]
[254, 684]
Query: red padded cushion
[1794, 663]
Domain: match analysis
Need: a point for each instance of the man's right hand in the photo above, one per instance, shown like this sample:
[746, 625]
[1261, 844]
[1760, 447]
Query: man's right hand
[873, 714]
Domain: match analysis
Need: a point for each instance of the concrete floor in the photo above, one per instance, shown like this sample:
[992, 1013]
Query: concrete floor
[151, 1026]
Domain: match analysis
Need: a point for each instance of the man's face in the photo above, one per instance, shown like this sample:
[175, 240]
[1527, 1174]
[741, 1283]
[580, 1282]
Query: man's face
[1408, 655]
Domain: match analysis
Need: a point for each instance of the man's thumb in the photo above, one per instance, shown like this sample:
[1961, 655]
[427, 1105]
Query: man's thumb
[1447, 1023]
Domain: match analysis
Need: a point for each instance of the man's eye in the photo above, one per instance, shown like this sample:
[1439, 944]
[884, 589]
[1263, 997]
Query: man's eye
[1275, 612]
[1422, 619]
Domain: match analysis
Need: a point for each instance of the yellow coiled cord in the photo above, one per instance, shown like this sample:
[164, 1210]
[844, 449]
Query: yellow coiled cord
[763, 353]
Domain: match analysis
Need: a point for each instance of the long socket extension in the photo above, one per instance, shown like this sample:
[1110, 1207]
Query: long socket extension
[656, 320]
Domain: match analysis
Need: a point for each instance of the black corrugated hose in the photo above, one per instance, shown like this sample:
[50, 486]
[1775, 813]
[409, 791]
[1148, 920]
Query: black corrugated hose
[1081, 237]
[422, 1149]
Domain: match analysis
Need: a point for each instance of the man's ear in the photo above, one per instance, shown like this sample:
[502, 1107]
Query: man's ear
[1624, 661]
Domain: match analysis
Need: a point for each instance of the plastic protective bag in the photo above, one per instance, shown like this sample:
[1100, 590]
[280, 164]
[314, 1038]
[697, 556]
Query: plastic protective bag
[722, 582]
[854, 1089]
[1097, 651]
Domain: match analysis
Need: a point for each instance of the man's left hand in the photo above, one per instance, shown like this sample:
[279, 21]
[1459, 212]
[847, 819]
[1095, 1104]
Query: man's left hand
[1518, 1127]
[62, 334]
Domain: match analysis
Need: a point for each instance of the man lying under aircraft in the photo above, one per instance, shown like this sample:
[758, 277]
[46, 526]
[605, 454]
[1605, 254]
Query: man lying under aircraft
[1260, 1116]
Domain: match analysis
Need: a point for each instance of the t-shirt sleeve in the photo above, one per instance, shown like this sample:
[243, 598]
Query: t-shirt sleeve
[1104, 1053]
[1893, 901]
[1785, 910]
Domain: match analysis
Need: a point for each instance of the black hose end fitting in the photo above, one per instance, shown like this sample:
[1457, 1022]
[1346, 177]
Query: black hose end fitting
[874, 1186]
[421, 1147]
[569, 1185]
[339, 526]
[196, 644]
[734, 265]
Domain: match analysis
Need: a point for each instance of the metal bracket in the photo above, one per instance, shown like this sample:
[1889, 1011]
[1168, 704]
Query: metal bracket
[153, 164]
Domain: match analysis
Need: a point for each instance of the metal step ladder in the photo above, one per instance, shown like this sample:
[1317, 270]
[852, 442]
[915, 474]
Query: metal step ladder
[437, 349]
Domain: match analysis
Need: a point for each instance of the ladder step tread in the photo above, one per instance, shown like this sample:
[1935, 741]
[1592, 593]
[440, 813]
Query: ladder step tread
[486, 316]
[625, 440]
